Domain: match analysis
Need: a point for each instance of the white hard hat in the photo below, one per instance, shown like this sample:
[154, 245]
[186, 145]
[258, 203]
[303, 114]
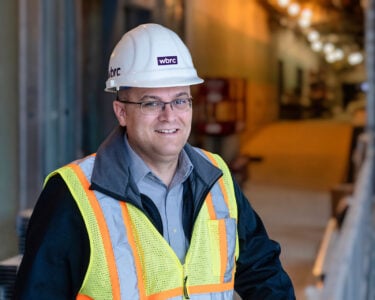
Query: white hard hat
[150, 55]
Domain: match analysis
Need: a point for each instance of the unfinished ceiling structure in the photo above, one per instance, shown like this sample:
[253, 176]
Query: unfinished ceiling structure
[334, 28]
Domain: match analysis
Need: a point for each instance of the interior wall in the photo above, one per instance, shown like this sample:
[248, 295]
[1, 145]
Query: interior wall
[8, 127]
[237, 39]
[233, 39]
[296, 54]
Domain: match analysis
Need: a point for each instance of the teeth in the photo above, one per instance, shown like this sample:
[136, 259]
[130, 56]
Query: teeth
[167, 130]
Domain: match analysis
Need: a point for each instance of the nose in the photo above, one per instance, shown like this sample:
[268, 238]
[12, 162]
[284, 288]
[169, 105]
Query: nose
[165, 105]
[167, 111]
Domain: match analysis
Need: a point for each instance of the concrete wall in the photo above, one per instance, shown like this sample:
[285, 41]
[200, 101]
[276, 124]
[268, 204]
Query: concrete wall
[8, 127]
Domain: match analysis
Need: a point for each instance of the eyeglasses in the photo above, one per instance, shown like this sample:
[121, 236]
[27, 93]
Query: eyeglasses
[154, 107]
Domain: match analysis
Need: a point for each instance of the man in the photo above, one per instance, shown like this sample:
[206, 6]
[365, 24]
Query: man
[149, 216]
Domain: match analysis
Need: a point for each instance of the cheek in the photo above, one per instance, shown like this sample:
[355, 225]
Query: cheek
[188, 119]
[130, 119]
[137, 126]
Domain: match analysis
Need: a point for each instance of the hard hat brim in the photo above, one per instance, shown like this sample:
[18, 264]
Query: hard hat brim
[113, 86]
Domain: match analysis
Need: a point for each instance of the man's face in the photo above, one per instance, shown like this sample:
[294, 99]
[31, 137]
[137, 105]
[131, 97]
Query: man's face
[155, 137]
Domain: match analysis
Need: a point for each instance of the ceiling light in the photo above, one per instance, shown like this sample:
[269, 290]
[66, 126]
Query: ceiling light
[313, 36]
[304, 23]
[283, 3]
[306, 13]
[339, 54]
[335, 55]
[355, 58]
[294, 9]
[328, 48]
[330, 57]
[317, 46]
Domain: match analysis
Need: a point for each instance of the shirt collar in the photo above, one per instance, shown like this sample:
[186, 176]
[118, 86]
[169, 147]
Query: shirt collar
[138, 167]
[140, 170]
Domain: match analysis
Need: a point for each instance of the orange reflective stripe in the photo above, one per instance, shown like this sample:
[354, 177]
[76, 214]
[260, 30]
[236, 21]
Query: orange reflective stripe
[221, 180]
[222, 228]
[211, 288]
[138, 266]
[210, 157]
[166, 294]
[83, 297]
[202, 289]
[103, 230]
[210, 207]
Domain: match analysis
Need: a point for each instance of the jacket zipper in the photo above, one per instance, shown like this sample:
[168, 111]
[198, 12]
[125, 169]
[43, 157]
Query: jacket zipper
[186, 294]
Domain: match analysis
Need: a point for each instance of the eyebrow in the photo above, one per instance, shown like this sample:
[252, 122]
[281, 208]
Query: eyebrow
[157, 98]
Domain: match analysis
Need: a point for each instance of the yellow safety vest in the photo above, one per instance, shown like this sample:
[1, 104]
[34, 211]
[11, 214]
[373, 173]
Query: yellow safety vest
[131, 260]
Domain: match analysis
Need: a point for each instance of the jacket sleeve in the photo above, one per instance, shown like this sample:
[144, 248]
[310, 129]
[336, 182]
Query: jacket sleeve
[57, 247]
[259, 273]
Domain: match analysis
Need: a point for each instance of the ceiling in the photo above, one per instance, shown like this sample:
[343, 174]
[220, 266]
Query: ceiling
[340, 22]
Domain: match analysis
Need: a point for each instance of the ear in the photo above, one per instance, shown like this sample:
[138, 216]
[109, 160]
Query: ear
[120, 112]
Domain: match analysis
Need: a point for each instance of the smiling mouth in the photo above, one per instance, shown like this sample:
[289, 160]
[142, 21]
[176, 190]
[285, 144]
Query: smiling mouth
[166, 131]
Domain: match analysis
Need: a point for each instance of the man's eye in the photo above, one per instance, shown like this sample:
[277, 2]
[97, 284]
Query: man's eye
[181, 101]
[151, 104]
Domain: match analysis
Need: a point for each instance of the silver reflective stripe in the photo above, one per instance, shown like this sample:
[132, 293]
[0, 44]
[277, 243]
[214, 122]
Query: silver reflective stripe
[221, 208]
[119, 238]
[222, 212]
[227, 295]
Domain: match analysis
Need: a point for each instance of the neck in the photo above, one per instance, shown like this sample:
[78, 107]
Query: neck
[165, 170]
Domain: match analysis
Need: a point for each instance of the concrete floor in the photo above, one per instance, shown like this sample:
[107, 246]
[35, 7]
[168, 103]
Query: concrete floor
[291, 188]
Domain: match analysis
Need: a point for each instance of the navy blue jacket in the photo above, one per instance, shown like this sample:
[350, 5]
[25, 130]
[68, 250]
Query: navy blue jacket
[57, 246]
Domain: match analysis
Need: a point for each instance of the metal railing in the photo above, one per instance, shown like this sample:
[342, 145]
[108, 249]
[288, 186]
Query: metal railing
[350, 271]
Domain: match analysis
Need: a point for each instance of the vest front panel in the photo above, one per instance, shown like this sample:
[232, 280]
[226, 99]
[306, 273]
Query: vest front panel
[138, 262]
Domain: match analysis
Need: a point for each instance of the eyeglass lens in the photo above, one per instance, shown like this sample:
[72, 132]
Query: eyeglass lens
[152, 107]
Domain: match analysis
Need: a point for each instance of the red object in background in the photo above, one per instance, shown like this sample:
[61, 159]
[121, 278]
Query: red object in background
[219, 106]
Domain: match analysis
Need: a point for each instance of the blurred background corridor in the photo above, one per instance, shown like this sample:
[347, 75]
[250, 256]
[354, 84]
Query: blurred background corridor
[287, 101]
[292, 187]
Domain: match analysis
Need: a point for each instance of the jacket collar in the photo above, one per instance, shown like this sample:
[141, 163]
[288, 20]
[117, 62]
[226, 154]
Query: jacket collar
[111, 173]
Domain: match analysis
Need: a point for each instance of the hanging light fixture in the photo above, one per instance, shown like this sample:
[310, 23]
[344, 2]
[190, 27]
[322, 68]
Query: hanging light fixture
[306, 13]
[328, 48]
[317, 46]
[355, 58]
[338, 53]
[283, 3]
[305, 17]
[293, 9]
[313, 36]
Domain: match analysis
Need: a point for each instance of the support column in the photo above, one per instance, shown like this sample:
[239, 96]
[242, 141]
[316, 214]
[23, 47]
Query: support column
[9, 187]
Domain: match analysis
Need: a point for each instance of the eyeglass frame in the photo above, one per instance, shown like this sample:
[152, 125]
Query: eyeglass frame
[162, 107]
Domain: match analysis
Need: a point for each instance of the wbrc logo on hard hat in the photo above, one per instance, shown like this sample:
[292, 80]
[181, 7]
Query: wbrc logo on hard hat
[114, 72]
[167, 60]
[162, 61]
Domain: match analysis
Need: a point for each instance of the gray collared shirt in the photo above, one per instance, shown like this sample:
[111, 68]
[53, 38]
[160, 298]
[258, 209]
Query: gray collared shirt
[168, 199]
